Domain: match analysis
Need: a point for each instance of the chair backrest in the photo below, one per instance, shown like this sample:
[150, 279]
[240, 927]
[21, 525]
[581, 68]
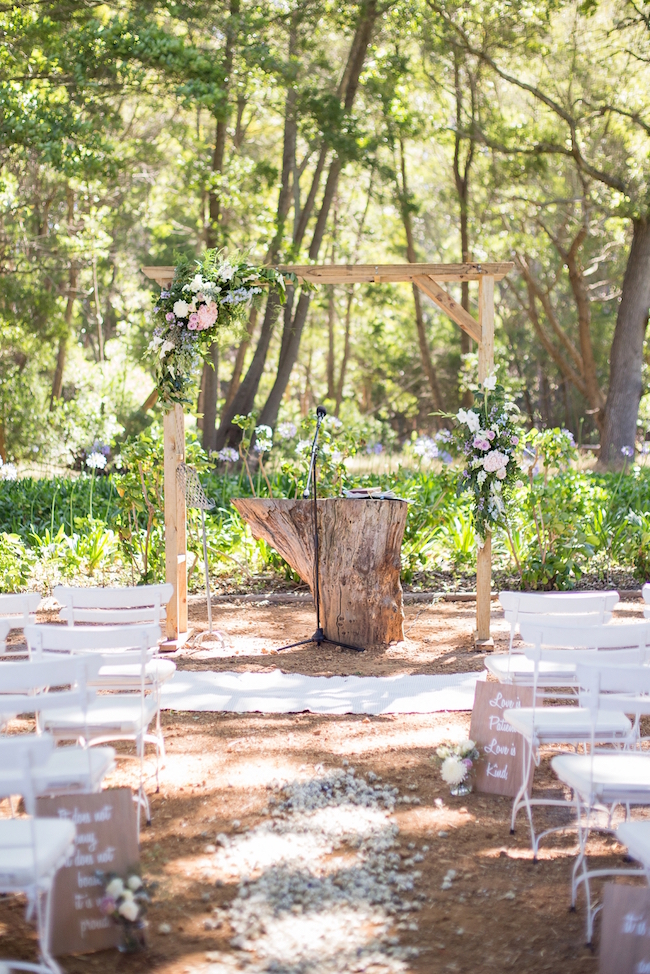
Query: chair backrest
[559, 633]
[625, 689]
[92, 639]
[22, 605]
[5, 626]
[114, 606]
[20, 754]
[557, 603]
[25, 684]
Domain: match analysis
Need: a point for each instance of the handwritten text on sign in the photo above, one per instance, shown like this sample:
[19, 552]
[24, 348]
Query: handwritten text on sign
[625, 937]
[500, 770]
[106, 841]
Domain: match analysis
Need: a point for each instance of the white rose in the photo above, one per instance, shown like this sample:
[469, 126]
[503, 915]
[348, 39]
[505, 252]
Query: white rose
[181, 309]
[501, 473]
[134, 883]
[129, 910]
[127, 894]
[115, 888]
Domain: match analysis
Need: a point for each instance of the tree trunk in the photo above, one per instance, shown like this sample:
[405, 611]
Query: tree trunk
[411, 256]
[210, 397]
[293, 333]
[626, 359]
[359, 560]
[57, 381]
[346, 353]
[218, 154]
[331, 318]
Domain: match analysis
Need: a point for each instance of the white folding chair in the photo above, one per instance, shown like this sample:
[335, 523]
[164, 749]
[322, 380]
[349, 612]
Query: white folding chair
[27, 687]
[16, 611]
[627, 644]
[141, 604]
[31, 849]
[568, 608]
[112, 716]
[145, 604]
[601, 781]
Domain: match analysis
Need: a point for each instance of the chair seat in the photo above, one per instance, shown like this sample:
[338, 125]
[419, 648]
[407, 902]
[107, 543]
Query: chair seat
[157, 671]
[619, 776]
[636, 836]
[563, 724]
[19, 867]
[519, 669]
[70, 769]
[116, 713]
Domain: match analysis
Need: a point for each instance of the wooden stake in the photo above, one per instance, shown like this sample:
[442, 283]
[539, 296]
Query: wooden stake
[175, 528]
[485, 367]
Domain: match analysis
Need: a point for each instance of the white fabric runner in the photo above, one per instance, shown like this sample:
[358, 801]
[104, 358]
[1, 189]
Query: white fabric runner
[274, 692]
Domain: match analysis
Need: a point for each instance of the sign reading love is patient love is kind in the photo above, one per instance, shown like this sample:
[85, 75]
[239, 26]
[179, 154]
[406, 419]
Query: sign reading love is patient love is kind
[106, 842]
[625, 936]
[500, 770]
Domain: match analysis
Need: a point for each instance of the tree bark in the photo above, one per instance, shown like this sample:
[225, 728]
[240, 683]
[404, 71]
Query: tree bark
[359, 560]
[626, 360]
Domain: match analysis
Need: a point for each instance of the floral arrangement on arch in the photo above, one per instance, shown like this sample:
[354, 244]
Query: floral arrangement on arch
[206, 300]
[488, 438]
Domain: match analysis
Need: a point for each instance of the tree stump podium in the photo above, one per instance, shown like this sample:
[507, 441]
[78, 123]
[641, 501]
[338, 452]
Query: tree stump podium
[359, 559]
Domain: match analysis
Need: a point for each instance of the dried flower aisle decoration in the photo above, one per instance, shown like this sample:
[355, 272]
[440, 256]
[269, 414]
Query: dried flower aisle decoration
[487, 437]
[206, 302]
[126, 901]
[457, 765]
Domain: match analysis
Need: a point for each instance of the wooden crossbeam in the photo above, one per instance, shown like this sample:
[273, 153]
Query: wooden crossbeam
[445, 301]
[394, 273]
[369, 273]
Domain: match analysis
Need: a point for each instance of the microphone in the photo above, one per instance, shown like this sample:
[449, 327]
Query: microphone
[321, 411]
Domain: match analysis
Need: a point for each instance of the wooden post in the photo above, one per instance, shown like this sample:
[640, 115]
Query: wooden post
[485, 367]
[175, 528]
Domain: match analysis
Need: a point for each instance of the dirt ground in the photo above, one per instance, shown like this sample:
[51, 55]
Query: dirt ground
[504, 912]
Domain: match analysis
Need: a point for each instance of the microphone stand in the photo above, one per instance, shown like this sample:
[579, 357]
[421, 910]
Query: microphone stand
[319, 636]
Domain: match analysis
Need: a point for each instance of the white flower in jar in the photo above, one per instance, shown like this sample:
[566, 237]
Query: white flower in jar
[129, 909]
[115, 888]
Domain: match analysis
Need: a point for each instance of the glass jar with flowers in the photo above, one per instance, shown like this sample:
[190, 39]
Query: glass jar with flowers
[457, 765]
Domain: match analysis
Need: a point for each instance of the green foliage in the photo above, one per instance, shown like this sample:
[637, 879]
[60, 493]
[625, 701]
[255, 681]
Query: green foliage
[16, 562]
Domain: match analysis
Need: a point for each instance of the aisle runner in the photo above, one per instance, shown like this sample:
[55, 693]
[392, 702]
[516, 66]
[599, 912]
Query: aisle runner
[274, 692]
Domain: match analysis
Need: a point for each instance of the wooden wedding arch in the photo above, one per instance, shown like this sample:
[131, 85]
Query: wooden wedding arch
[428, 278]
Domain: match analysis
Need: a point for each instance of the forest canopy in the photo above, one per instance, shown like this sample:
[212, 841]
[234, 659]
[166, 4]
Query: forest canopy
[142, 133]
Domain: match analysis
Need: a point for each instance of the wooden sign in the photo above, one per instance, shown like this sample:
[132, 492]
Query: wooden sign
[500, 770]
[106, 841]
[625, 937]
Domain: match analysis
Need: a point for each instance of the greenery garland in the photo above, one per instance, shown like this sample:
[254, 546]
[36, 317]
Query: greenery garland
[206, 299]
[488, 438]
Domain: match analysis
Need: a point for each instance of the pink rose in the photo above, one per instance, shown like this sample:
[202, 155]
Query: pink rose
[207, 315]
[514, 440]
[193, 321]
[490, 434]
[480, 443]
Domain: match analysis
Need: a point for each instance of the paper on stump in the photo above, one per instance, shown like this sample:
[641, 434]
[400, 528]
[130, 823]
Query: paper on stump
[275, 692]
